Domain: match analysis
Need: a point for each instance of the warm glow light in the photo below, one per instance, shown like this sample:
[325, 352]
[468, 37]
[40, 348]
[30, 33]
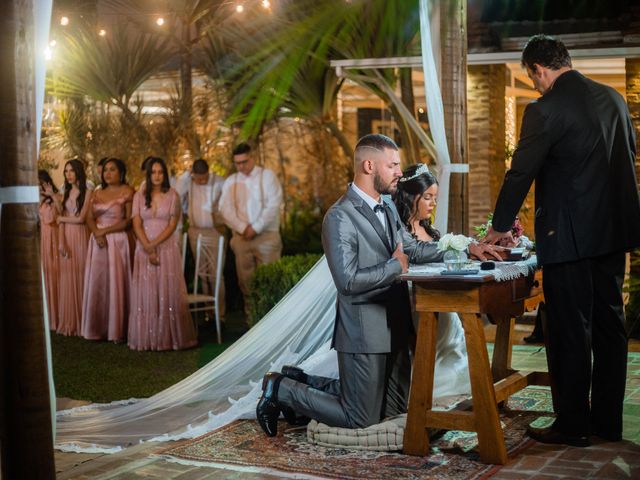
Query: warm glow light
[48, 54]
[266, 4]
[421, 110]
[52, 43]
[240, 8]
[160, 21]
[102, 32]
[64, 21]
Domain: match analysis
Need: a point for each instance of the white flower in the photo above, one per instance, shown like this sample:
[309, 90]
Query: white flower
[459, 242]
[453, 242]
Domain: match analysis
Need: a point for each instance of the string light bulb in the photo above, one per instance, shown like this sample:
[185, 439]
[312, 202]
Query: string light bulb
[160, 21]
[266, 4]
[239, 8]
[52, 43]
[64, 21]
[102, 32]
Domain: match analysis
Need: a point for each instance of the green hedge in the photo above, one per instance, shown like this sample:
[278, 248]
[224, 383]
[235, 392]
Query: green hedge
[272, 282]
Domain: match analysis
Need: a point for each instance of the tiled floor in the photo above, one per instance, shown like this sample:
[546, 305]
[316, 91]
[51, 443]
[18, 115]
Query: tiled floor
[620, 460]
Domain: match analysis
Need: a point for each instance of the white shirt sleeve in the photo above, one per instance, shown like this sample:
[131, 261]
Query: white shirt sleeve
[228, 209]
[272, 201]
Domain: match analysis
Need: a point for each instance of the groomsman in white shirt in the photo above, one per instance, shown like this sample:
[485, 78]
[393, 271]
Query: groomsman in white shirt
[200, 193]
[250, 205]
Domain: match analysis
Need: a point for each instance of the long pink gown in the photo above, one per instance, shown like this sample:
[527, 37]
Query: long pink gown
[160, 317]
[107, 277]
[72, 268]
[49, 259]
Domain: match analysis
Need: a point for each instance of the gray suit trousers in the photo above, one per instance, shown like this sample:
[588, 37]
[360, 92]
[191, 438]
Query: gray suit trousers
[371, 387]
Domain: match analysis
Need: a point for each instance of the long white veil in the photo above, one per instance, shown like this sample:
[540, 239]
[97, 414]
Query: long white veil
[297, 330]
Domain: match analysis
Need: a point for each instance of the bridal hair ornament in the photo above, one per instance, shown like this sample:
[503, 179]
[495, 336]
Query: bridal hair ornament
[421, 170]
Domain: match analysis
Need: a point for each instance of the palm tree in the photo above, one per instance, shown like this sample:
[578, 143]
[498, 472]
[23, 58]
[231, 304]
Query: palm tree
[26, 441]
[287, 60]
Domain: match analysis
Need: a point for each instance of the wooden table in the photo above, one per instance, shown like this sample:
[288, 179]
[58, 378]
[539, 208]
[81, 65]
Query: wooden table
[490, 384]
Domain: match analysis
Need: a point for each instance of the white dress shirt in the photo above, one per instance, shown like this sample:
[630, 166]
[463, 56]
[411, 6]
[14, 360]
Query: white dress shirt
[201, 200]
[253, 199]
[372, 202]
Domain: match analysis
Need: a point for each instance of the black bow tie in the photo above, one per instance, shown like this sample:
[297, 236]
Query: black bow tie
[378, 208]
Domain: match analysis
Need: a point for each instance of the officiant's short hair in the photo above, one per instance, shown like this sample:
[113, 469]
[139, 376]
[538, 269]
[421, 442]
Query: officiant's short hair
[546, 51]
[375, 141]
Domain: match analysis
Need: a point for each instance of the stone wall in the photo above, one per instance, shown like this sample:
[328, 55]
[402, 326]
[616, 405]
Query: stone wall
[486, 127]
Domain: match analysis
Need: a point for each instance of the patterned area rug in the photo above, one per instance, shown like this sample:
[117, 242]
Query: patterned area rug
[242, 446]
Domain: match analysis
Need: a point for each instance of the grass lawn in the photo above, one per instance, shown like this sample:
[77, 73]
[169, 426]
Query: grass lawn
[103, 371]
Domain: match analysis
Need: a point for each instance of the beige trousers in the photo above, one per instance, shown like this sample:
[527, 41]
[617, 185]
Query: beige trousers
[208, 283]
[263, 248]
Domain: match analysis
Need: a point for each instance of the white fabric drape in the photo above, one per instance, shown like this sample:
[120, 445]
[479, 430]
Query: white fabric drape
[435, 113]
[42, 21]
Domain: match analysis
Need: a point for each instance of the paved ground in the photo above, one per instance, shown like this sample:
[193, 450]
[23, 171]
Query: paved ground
[541, 462]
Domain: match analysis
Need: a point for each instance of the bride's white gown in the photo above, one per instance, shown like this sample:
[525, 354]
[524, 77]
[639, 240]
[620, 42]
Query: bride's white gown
[296, 331]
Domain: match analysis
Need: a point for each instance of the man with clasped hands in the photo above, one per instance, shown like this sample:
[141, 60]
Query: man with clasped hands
[367, 249]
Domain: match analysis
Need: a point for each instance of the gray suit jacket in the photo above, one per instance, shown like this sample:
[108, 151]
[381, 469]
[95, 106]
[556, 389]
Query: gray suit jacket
[373, 313]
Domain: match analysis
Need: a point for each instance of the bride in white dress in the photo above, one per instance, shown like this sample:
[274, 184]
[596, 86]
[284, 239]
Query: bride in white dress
[296, 331]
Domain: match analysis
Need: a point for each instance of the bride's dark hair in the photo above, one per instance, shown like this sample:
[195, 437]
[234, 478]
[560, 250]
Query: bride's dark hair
[406, 194]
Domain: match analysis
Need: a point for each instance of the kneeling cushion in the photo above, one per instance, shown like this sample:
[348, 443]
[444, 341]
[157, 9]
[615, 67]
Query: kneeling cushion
[385, 437]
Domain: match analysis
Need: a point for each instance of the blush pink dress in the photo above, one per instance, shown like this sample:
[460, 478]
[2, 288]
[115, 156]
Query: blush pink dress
[107, 277]
[49, 259]
[160, 317]
[72, 268]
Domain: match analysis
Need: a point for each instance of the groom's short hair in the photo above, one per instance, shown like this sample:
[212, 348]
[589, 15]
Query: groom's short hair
[546, 51]
[375, 141]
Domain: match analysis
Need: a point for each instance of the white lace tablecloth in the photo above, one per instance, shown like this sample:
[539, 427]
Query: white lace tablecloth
[503, 271]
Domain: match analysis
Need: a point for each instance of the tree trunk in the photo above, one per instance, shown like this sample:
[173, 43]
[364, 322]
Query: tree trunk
[453, 21]
[25, 426]
[412, 145]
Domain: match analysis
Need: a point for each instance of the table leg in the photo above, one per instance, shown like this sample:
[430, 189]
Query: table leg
[501, 363]
[416, 436]
[490, 437]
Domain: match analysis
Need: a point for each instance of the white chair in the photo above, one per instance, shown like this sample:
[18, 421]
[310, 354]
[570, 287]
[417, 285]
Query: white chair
[198, 302]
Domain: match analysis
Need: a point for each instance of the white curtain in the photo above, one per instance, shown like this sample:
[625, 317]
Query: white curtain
[435, 112]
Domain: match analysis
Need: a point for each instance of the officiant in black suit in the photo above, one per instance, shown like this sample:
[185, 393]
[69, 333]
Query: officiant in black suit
[578, 144]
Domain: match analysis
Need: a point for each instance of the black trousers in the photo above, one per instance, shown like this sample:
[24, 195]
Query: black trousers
[585, 316]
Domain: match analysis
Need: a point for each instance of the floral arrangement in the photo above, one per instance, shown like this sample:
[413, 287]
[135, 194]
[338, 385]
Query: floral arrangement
[453, 242]
[516, 229]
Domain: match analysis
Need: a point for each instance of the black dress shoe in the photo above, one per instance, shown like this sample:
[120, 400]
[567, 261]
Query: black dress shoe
[534, 338]
[294, 373]
[268, 409]
[549, 435]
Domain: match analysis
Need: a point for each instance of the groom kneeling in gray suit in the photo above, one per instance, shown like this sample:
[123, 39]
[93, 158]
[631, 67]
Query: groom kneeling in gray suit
[367, 249]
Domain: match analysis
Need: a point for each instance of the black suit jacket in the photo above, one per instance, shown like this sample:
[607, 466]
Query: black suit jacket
[578, 143]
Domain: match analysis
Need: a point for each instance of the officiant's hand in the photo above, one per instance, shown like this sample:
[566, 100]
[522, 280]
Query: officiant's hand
[402, 258]
[504, 238]
[484, 252]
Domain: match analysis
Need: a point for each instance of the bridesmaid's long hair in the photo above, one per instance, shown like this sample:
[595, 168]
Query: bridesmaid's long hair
[122, 169]
[405, 198]
[151, 161]
[44, 177]
[81, 178]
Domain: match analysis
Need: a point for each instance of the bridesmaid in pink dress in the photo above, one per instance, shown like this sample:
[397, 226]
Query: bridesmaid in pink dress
[159, 318]
[107, 277]
[48, 212]
[73, 240]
